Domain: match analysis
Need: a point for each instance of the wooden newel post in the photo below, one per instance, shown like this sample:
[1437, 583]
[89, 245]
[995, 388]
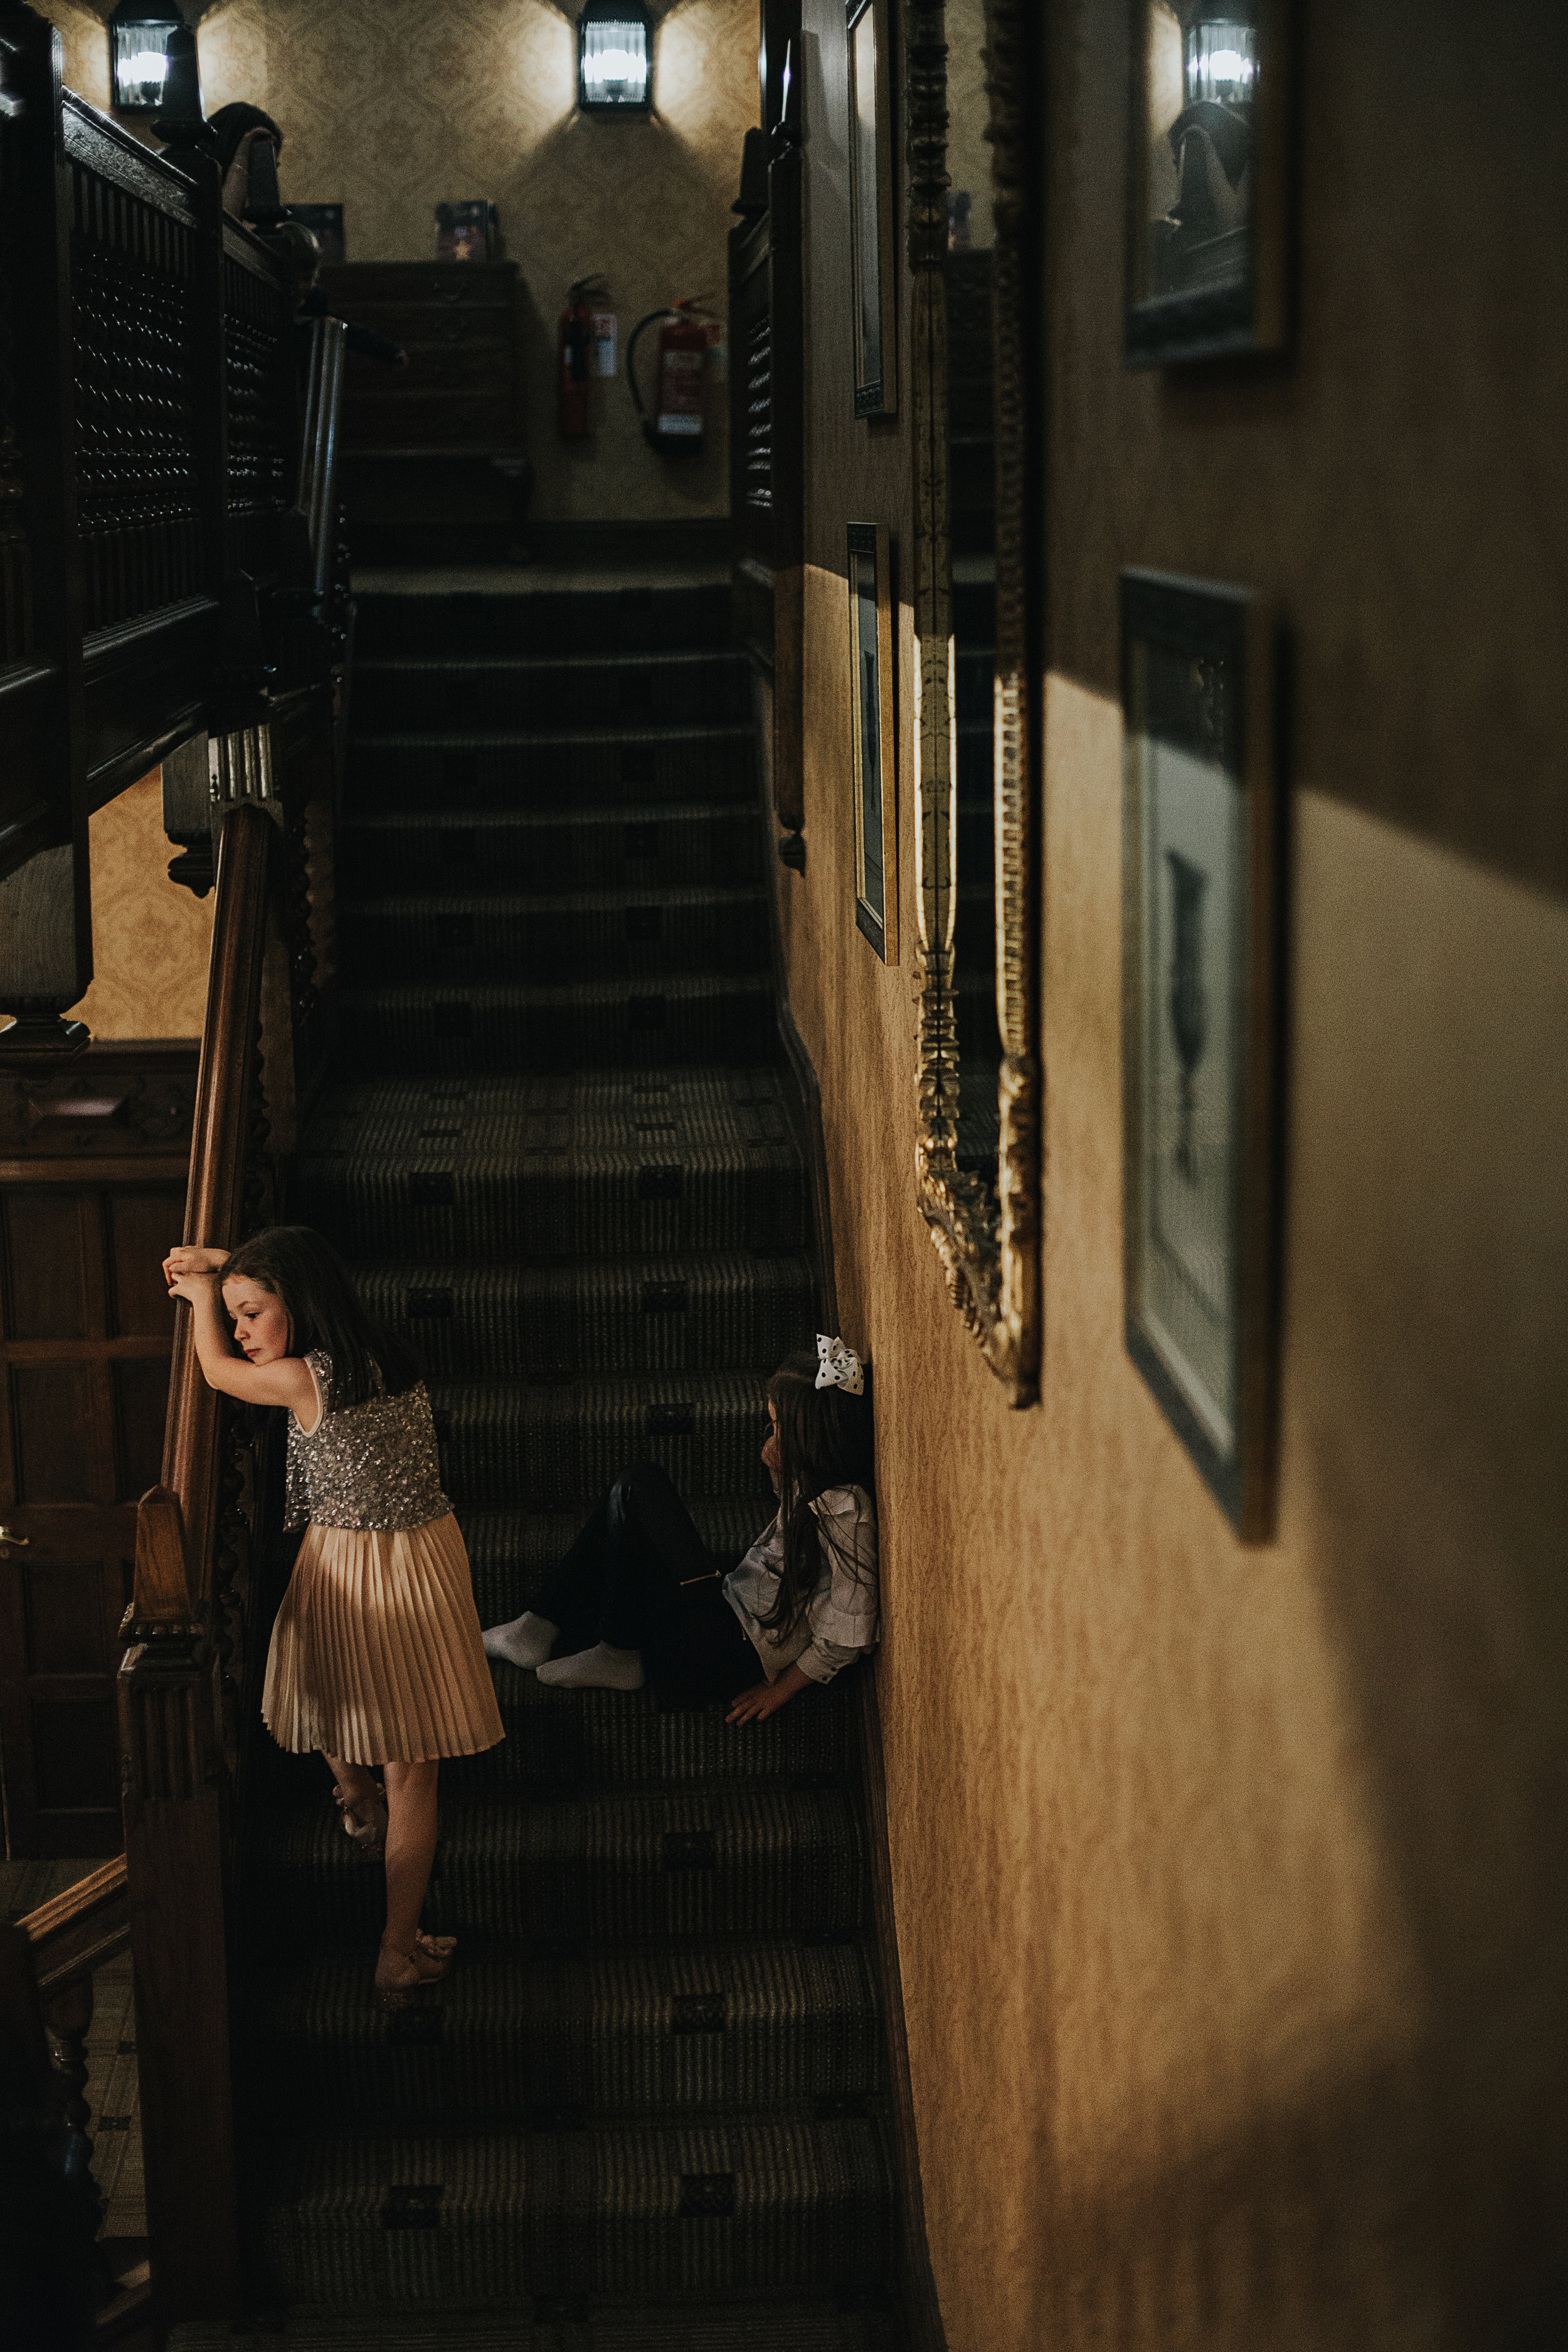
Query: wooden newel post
[174, 1788]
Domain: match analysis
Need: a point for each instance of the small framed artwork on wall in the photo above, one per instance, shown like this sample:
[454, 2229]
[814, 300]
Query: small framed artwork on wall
[873, 741]
[872, 250]
[1201, 932]
[1209, 179]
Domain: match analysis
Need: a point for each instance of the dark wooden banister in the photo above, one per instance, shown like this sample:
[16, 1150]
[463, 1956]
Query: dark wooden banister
[214, 1197]
[176, 1695]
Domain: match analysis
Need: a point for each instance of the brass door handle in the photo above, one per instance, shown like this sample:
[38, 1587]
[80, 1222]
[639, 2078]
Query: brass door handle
[7, 1538]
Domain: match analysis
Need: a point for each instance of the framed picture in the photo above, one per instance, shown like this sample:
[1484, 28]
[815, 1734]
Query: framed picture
[465, 231]
[872, 738]
[1200, 941]
[1208, 180]
[871, 242]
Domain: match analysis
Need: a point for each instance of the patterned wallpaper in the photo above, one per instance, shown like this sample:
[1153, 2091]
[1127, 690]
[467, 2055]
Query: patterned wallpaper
[389, 106]
[151, 938]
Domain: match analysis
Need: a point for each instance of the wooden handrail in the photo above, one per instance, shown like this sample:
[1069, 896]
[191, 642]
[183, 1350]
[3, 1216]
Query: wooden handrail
[77, 1931]
[214, 1198]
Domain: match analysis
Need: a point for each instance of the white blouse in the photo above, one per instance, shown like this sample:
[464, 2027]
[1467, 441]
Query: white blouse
[839, 1621]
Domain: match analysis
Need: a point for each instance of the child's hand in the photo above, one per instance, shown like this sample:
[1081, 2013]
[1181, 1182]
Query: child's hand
[756, 1705]
[193, 1285]
[185, 1260]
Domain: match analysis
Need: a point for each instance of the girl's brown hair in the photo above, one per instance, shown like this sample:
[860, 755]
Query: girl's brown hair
[824, 1441]
[306, 1273]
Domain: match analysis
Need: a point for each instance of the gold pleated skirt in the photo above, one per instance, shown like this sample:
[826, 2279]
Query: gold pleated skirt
[376, 1655]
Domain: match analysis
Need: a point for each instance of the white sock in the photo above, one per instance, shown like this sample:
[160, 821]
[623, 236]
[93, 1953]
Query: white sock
[526, 1641]
[600, 1668]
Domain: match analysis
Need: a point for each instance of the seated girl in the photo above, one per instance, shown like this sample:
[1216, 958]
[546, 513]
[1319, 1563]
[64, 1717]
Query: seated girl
[639, 1594]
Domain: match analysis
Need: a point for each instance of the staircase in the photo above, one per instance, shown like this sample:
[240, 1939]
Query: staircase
[644, 2108]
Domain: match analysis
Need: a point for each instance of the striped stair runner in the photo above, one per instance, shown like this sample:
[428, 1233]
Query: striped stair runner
[644, 2110]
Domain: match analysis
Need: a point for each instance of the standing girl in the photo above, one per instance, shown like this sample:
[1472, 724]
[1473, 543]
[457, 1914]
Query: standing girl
[641, 1594]
[376, 1656]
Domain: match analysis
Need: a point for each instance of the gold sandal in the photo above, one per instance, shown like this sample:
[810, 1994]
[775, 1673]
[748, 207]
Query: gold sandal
[400, 1975]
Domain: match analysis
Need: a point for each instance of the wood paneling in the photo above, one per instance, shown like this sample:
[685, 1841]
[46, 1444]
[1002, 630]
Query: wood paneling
[86, 1331]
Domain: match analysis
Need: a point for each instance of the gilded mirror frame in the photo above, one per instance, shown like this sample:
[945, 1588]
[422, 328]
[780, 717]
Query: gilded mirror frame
[989, 1245]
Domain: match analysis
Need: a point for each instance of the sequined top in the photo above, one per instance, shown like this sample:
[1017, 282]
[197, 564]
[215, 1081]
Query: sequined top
[370, 1465]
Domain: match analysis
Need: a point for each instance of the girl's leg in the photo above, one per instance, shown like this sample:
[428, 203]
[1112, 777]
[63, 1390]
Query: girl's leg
[568, 1607]
[653, 1554]
[410, 1850]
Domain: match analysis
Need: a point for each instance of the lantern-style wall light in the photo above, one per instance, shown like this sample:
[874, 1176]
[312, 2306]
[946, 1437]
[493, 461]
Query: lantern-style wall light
[1221, 61]
[139, 33]
[615, 56]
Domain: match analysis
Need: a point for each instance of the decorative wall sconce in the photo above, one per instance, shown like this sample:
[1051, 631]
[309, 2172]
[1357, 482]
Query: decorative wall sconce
[1220, 62]
[615, 56]
[139, 36]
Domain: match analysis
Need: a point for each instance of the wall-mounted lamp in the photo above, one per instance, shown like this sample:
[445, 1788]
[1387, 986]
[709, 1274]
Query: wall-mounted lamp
[615, 56]
[139, 33]
[1221, 60]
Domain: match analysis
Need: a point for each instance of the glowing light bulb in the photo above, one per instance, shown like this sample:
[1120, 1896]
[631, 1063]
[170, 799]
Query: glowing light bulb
[614, 63]
[148, 66]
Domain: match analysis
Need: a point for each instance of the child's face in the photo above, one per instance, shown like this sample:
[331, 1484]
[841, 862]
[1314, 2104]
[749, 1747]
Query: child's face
[770, 1445]
[260, 1320]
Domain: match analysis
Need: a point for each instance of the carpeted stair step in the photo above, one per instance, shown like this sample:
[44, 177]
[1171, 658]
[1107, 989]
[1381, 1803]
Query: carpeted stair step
[747, 1859]
[628, 1314]
[586, 1024]
[566, 848]
[611, 1163]
[549, 620]
[452, 768]
[854, 2322]
[600, 1739]
[634, 935]
[662, 2210]
[519, 2032]
[554, 689]
[546, 1447]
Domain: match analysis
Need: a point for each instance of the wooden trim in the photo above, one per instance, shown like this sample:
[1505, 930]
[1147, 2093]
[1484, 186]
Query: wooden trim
[917, 2282]
[77, 1931]
[81, 1351]
[108, 1169]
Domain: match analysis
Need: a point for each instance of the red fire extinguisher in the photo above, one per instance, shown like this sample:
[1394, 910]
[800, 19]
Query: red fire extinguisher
[574, 340]
[676, 426]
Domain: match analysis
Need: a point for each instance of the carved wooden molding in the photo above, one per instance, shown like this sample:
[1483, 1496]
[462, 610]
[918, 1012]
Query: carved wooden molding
[989, 1247]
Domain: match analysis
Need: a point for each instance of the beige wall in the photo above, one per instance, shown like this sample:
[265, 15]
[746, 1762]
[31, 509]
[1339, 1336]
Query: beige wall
[390, 107]
[1232, 1928]
[151, 938]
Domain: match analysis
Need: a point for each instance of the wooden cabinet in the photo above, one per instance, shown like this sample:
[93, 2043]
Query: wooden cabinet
[86, 1211]
[433, 466]
[457, 322]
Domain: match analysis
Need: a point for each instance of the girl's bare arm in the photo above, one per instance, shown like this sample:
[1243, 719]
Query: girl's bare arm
[287, 1381]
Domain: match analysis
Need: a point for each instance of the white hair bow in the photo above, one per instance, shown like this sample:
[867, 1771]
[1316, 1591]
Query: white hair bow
[839, 1367]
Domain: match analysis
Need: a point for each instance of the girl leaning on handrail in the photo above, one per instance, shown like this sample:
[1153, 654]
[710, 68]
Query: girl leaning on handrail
[375, 1657]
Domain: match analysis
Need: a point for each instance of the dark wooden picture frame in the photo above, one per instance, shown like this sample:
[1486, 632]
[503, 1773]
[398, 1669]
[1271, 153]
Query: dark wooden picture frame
[1201, 937]
[1209, 179]
[872, 249]
[872, 737]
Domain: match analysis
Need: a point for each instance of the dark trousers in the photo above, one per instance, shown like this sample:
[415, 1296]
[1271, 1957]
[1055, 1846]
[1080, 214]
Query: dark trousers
[640, 1577]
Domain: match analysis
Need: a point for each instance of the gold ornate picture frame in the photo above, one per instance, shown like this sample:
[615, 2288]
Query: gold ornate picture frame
[986, 1233]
